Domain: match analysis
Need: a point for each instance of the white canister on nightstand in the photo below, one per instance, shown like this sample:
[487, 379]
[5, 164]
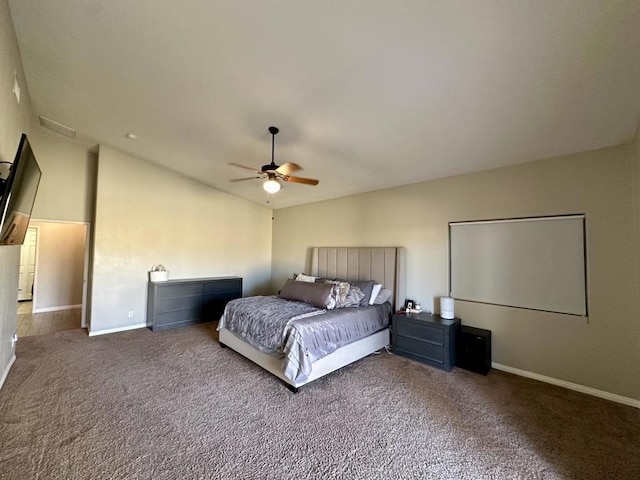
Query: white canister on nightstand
[446, 307]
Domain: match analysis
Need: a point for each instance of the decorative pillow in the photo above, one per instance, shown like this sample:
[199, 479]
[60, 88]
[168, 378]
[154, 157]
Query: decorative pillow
[374, 293]
[320, 295]
[366, 287]
[343, 290]
[383, 296]
[354, 297]
[301, 277]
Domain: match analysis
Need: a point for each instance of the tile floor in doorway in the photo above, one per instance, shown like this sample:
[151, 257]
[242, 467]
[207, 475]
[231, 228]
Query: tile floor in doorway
[30, 323]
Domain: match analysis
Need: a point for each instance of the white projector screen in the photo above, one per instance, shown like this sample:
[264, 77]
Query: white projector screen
[534, 263]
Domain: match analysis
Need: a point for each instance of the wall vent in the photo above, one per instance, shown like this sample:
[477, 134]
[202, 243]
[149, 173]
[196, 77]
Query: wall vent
[57, 127]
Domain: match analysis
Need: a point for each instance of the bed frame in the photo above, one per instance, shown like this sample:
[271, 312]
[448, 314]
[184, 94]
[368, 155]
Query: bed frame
[385, 265]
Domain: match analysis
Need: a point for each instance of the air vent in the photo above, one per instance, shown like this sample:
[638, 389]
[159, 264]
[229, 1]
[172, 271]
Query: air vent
[57, 127]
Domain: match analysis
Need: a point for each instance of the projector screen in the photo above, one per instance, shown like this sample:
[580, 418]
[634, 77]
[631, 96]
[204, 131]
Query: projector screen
[534, 263]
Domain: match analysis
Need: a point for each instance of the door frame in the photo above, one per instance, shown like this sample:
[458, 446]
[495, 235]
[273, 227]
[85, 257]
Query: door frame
[35, 272]
[85, 276]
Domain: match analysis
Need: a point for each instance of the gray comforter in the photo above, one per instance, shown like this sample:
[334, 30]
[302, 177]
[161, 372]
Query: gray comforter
[300, 332]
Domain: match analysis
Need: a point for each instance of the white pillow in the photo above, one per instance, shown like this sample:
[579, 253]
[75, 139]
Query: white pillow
[301, 277]
[375, 292]
[383, 296]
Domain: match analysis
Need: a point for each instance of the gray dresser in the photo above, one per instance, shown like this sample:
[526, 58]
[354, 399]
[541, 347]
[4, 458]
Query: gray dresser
[176, 303]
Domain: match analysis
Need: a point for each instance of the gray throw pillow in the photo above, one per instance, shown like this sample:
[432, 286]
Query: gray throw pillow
[366, 288]
[320, 295]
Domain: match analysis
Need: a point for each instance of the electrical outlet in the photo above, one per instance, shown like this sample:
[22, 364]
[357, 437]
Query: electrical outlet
[130, 313]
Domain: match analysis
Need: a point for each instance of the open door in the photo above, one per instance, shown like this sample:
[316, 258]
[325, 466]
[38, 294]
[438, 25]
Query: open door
[28, 264]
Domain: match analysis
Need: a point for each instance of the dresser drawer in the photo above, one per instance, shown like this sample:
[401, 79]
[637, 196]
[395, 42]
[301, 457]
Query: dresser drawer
[170, 304]
[180, 316]
[170, 291]
[421, 331]
[223, 288]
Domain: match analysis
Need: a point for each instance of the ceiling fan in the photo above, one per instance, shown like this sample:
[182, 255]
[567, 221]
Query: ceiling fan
[273, 173]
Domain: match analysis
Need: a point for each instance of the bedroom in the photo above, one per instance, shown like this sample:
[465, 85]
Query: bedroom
[197, 231]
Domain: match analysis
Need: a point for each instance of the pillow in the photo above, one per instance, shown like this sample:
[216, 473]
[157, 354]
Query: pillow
[320, 295]
[354, 297]
[301, 277]
[374, 293]
[383, 296]
[343, 290]
[366, 287]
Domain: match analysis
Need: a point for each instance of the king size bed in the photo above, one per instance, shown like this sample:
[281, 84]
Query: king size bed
[320, 322]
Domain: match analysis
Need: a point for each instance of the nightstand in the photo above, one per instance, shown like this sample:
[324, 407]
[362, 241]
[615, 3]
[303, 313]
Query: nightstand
[426, 338]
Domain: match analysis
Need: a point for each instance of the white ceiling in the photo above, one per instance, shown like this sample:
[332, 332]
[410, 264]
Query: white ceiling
[367, 94]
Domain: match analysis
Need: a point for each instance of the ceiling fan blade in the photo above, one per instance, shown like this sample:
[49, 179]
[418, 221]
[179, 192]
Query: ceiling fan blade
[243, 179]
[287, 168]
[244, 166]
[306, 181]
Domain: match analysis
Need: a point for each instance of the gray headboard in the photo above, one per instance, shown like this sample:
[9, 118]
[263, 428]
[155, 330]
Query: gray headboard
[385, 265]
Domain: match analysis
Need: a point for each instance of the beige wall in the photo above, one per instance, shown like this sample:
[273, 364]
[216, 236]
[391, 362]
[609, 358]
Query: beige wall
[601, 353]
[14, 119]
[636, 223]
[60, 264]
[66, 190]
[146, 215]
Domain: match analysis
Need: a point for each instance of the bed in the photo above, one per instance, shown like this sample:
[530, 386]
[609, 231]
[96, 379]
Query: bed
[383, 265]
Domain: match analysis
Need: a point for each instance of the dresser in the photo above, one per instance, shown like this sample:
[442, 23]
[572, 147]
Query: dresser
[425, 337]
[177, 303]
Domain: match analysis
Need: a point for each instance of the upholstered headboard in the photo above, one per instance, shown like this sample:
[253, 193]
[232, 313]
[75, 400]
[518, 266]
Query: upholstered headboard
[385, 265]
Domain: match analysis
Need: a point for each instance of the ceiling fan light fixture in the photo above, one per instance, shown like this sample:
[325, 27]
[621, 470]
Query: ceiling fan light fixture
[275, 174]
[271, 185]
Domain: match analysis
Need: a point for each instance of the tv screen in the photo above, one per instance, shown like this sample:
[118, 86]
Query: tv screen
[18, 195]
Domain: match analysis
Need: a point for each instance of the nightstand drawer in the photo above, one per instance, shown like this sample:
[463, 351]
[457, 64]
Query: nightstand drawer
[421, 349]
[420, 331]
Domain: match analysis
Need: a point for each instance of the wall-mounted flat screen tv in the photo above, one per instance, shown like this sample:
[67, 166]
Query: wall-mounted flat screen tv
[18, 194]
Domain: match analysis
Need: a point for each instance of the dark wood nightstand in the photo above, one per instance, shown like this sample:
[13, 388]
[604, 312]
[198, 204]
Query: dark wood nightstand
[426, 338]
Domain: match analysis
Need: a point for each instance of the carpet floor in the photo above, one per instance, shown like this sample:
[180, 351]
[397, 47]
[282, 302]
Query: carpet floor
[174, 405]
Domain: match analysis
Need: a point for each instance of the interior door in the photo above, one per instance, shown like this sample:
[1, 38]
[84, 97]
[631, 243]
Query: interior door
[28, 264]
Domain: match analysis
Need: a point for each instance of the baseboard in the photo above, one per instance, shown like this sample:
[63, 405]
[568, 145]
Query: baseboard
[6, 371]
[93, 333]
[571, 386]
[56, 309]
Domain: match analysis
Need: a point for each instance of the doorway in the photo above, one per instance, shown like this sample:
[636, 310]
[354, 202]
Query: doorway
[53, 272]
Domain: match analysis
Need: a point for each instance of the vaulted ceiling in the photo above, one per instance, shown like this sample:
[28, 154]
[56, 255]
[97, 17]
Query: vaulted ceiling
[367, 94]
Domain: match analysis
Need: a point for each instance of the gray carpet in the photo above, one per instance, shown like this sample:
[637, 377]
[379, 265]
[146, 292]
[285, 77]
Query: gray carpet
[174, 405]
